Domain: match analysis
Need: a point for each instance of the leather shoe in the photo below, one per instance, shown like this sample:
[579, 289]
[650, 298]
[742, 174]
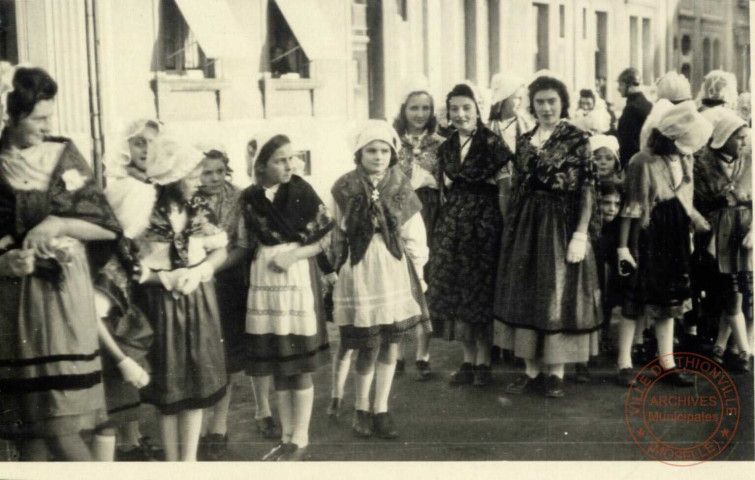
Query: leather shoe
[274, 454]
[293, 453]
[384, 426]
[362, 425]
[463, 376]
[554, 386]
[677, 378]
[423, 371]
[523, 383]
[268, 428]
[483, 375]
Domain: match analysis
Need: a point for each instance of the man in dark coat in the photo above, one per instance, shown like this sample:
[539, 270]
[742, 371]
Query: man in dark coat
[633, 117]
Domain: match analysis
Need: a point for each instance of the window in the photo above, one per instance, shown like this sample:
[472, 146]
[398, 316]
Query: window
[470, 40]
[648, 57]
[8, 34]
[686, 44]
[181, 51]
[562, 21]
[541, 28]
[584, 24]
[286, 55]
[494, 36]
[601, 52]
[634, 40]
[717, 54]
[706, 55]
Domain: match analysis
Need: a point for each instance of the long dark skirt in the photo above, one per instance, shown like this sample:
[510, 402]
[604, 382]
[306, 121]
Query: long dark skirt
[231, 291]
[462, 266]
[663, 253]
[188, 364]
[537, 288]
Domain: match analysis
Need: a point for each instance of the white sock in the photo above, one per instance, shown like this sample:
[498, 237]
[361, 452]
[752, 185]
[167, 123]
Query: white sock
[341, 373]
[303, 400]
[362, 387]
[724, 330]
[531, 368]
[286, 412]
[383, 381]
[664, 332]
[627, 330]
[739, 330]
[557, 369]
[103, 448]
[261, 391]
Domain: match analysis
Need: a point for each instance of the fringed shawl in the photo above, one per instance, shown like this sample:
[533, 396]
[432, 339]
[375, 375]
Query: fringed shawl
[370, 209]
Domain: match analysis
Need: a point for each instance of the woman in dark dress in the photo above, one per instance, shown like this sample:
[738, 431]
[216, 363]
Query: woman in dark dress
[50, 211]
[548, 291]
[472, 169]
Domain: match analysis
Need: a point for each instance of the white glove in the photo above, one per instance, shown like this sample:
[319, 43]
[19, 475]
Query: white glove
[133, 373]
[575, 253]
[330, 279]
[624, 255]
[190, 280]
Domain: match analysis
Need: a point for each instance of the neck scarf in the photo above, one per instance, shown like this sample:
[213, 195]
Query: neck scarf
[370, 209]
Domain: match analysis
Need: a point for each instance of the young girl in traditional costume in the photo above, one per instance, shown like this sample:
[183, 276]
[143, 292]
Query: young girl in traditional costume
[654, 241]
[723, 193]
[284, 226]
[124, 365]
[416, 126]
[223, 199]
[472, 174]
[380, 246]
[50, 210]
[179, 253]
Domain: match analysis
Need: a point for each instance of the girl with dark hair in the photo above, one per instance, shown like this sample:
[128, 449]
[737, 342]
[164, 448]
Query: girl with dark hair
[547, 254]
[51, 210]
[180, 251]
[473, 177]
[379, 248]
[417, 158]
[723, 193]
[654, 240]
[223, 199]
[284, 230]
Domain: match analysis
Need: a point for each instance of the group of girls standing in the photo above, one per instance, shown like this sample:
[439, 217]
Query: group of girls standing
[171, 280]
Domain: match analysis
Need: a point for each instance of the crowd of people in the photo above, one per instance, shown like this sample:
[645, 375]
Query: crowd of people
[520, 230]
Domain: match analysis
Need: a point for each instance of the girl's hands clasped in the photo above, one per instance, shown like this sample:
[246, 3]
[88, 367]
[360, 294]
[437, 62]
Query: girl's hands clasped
[39, 237]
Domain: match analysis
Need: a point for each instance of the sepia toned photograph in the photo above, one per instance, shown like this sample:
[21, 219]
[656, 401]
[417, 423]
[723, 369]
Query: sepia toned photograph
[381, 231]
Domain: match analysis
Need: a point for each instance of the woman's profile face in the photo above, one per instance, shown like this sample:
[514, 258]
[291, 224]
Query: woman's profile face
[376, 157]
[511, 105]
[139, 145]
[191, 182]
[32, 129]
[736, 142]
[279, 166]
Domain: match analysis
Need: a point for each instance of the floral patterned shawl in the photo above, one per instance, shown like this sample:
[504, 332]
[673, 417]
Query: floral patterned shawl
[368, 209]
[714, 189]
[201, 222]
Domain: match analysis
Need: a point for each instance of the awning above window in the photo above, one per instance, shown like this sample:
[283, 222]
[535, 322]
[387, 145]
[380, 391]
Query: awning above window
[311, 28]
[213, 24]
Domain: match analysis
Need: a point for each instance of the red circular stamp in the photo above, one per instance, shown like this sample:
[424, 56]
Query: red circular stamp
[683, 426]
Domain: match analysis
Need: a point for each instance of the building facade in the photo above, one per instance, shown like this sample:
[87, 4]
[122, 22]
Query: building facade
[224, 71]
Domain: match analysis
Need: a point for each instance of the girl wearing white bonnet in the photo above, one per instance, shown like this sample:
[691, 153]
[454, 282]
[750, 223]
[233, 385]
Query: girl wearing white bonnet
[672, 88]
[719, 88]
[179, 252]
[723, 193]
[605, 154]
[416, 125]
[506, 118]
[379, 252]
[659, 212]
